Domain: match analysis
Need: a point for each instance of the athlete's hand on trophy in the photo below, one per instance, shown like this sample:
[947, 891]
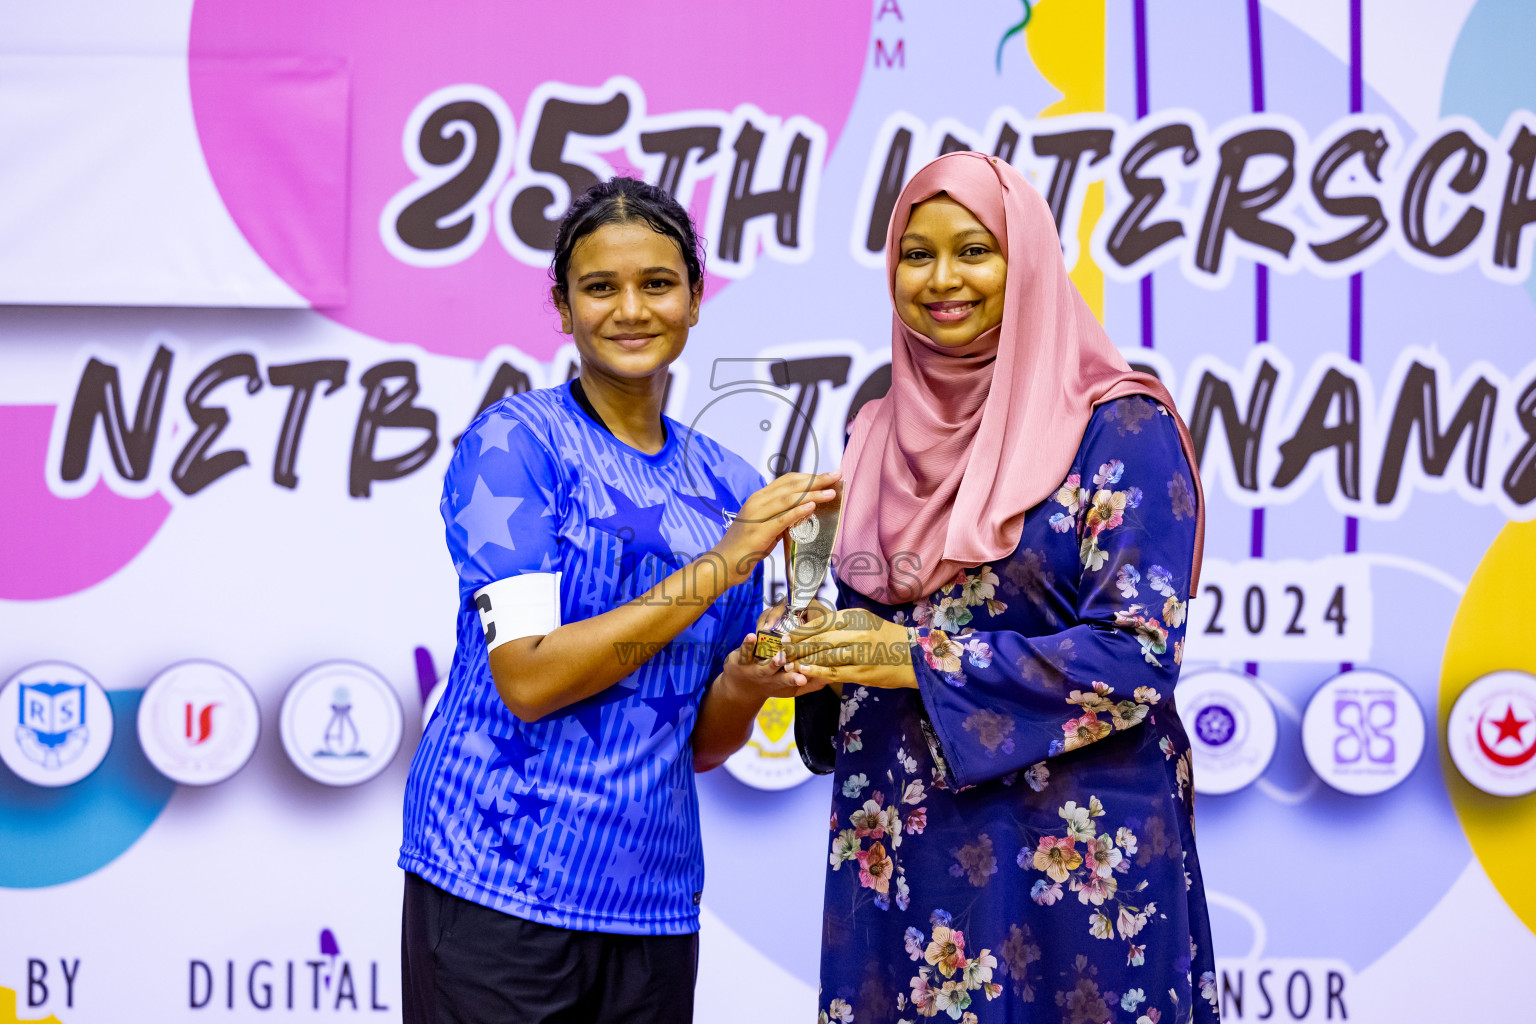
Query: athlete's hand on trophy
[814, 614]
[768, 513]
[763, 679]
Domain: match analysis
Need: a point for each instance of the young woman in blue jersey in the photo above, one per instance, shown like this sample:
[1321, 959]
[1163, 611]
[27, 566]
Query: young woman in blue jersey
[608, 562]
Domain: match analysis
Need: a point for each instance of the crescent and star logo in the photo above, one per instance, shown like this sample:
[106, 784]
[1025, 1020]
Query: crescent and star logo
[1510, 728]
[1491, 733]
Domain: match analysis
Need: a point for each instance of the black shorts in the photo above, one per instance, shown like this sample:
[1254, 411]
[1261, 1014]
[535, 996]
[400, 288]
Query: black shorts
[462, 963]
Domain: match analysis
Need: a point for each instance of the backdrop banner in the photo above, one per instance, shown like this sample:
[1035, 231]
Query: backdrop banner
[263, 262]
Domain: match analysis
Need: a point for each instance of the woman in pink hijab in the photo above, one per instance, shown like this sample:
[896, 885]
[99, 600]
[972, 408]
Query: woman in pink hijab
[1011, 832]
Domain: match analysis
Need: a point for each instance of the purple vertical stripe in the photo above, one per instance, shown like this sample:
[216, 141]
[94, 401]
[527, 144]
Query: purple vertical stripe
[1255, 57]
[1139, 10]
[1260, 304]
[1356, 315]
[1146, 311]
[1356, 281]
[426, 672]
[1143, 105]
[1261, 272]
[1356, 60]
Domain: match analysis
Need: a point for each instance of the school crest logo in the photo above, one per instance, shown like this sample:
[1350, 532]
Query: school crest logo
[769, 760]
[341, 723]
[1232, 729]
[198, 723]
[60, 724]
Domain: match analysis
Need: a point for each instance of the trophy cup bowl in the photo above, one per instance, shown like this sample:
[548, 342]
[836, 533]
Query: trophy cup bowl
[808, 546]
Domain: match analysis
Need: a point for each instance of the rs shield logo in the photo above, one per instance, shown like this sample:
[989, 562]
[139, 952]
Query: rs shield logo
[53, 730]
[60, 724]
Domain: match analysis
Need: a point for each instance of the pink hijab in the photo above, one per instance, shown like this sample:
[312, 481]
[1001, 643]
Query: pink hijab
[941, 470]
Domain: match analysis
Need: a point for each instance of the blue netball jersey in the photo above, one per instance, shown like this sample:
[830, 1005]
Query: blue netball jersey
[586, 819]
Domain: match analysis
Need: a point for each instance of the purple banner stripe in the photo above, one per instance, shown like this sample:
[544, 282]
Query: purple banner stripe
[1139, 13]
[1255, 57]
[1356, 315]
[1143, 105]
[1146, 311]
[1356, 60]
[1260, 304]
[1261, 274]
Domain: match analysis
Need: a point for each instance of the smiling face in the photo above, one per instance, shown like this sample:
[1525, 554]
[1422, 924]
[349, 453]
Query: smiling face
[627, 303]
[950, 278]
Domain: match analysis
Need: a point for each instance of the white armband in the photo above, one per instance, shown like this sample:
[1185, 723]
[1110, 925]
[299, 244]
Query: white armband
[519, 606]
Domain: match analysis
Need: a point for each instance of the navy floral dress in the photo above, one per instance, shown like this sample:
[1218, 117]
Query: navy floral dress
[1014, 840]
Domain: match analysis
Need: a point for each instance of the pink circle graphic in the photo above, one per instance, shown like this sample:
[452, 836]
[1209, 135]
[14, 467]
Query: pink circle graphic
[56, 546]
[301, 109]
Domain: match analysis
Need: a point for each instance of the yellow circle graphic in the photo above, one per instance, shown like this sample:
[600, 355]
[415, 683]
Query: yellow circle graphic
[1490, 633]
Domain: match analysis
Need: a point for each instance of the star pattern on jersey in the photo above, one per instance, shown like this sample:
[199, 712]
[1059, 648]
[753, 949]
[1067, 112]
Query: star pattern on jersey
[485, 518]
[605, 770]
[511, 752]
[668, 707]
[596, 786]
[493, 433]
[548, 888]
[624, 866]
[720, 509]
[635, 815]
[588, 713]
[552, 861]
[637, 528]
[508, 851]
[491, 817]
[530, 805]
[551, 507]
[580, 808]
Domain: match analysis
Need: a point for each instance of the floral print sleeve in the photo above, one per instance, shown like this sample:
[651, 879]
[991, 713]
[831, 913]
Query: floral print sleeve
[1014, 840]
[999, 701]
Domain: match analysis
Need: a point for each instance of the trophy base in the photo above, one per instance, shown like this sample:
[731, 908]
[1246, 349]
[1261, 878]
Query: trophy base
[772, 641]
[768, 644]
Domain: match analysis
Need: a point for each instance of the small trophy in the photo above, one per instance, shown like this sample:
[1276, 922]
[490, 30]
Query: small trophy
[809, 546]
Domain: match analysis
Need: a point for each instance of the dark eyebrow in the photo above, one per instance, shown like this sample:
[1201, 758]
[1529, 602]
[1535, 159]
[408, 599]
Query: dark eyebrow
[609, 274]
[914, 237]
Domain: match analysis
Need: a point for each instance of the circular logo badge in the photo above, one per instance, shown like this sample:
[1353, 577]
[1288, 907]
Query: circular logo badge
[55, 723]
[1231, 729]
[806, 530]
[770, 760]
[341, 723]
[198, 723]
[1363, 732]
[1491, 733]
